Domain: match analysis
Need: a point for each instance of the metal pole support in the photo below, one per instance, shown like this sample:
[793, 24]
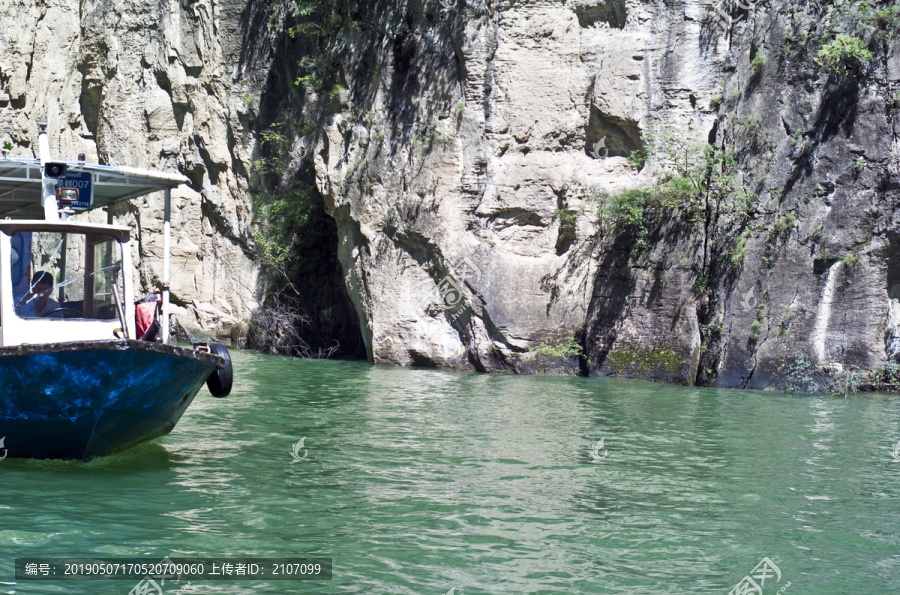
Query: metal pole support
[167, 240]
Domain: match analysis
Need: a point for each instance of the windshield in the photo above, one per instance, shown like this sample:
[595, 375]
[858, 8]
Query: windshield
[65, 275]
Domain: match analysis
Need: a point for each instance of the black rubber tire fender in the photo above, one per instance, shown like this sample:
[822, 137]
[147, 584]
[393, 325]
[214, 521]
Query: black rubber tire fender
[220, 380]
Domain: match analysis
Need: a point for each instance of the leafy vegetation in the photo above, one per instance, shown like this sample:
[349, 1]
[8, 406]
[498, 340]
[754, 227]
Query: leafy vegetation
[288, 250]
[801, 374]
[738, 251]
[756, 325]
[424, 136]
[701, 284]
[756, 65]
[315, 23]
[570, 348]
[845, 55]
[755, 329]
[852, 258]
[882, 22]
[785, 327]
[845, 382]
[293, 228]
[691, 177]
[292, 216]
[294, 242]
[273, 147]
[710, 332]
[680, 184]
[567, 218]
[893, 103]
[887, 377]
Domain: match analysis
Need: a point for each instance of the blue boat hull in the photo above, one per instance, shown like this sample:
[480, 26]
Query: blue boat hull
[93, 398]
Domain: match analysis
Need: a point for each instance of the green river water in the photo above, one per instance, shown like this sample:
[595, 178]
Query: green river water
[428, 482]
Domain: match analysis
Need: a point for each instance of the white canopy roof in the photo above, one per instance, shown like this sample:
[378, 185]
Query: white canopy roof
[20, 184]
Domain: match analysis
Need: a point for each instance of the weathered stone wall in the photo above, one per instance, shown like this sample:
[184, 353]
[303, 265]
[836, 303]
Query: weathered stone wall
[463, 133]
[467, 129]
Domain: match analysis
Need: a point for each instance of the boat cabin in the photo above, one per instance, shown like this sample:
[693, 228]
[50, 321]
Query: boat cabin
[58, 282]
[64, 280]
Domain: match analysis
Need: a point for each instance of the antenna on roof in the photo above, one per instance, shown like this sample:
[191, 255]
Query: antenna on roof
[43, 141]
[48, 182]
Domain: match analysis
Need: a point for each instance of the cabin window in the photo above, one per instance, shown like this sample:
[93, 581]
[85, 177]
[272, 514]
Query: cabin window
[65, 275]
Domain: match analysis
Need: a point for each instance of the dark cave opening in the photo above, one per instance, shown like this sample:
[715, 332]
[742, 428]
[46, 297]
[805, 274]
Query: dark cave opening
[893, 266]
[609, 136]
[309, 281]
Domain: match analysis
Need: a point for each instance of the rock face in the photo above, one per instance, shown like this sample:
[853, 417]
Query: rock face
[489, 124]
[461, 165]
[463, 151]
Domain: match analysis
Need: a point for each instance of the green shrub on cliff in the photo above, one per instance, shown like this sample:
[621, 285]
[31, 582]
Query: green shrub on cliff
[680, 181]
[844, 55]
[800, 374]
[883, 21]
[687, 171]
[313, 17]
[295, 251]
[292, 219]
[887, 377]
[738, 250]
[274, 143]
[755, 330]
[315, 22]
[567, 219]
[570, 348]
[852, 258]
[625, 208]
[757, 64]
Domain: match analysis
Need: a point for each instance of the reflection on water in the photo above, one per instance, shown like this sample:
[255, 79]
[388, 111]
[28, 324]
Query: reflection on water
[419, 481]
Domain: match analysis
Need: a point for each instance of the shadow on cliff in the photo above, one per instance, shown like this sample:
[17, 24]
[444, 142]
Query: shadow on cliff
[307, 285]
[373, 59]
[837, 114]
[353, 57]
[615, 299]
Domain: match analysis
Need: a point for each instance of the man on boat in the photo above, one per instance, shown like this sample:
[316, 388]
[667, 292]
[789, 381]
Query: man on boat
[38, 303]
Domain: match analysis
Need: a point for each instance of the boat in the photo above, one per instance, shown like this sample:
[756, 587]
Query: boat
[86, 370]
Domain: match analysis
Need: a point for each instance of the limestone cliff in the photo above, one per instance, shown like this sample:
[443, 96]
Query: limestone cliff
[465, 150]
[460, 162]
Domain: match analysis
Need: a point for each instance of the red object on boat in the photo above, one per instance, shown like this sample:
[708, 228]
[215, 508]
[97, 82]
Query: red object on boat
[145, 313]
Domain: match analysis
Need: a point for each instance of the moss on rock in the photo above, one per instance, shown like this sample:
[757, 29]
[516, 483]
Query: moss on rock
[637, 360]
